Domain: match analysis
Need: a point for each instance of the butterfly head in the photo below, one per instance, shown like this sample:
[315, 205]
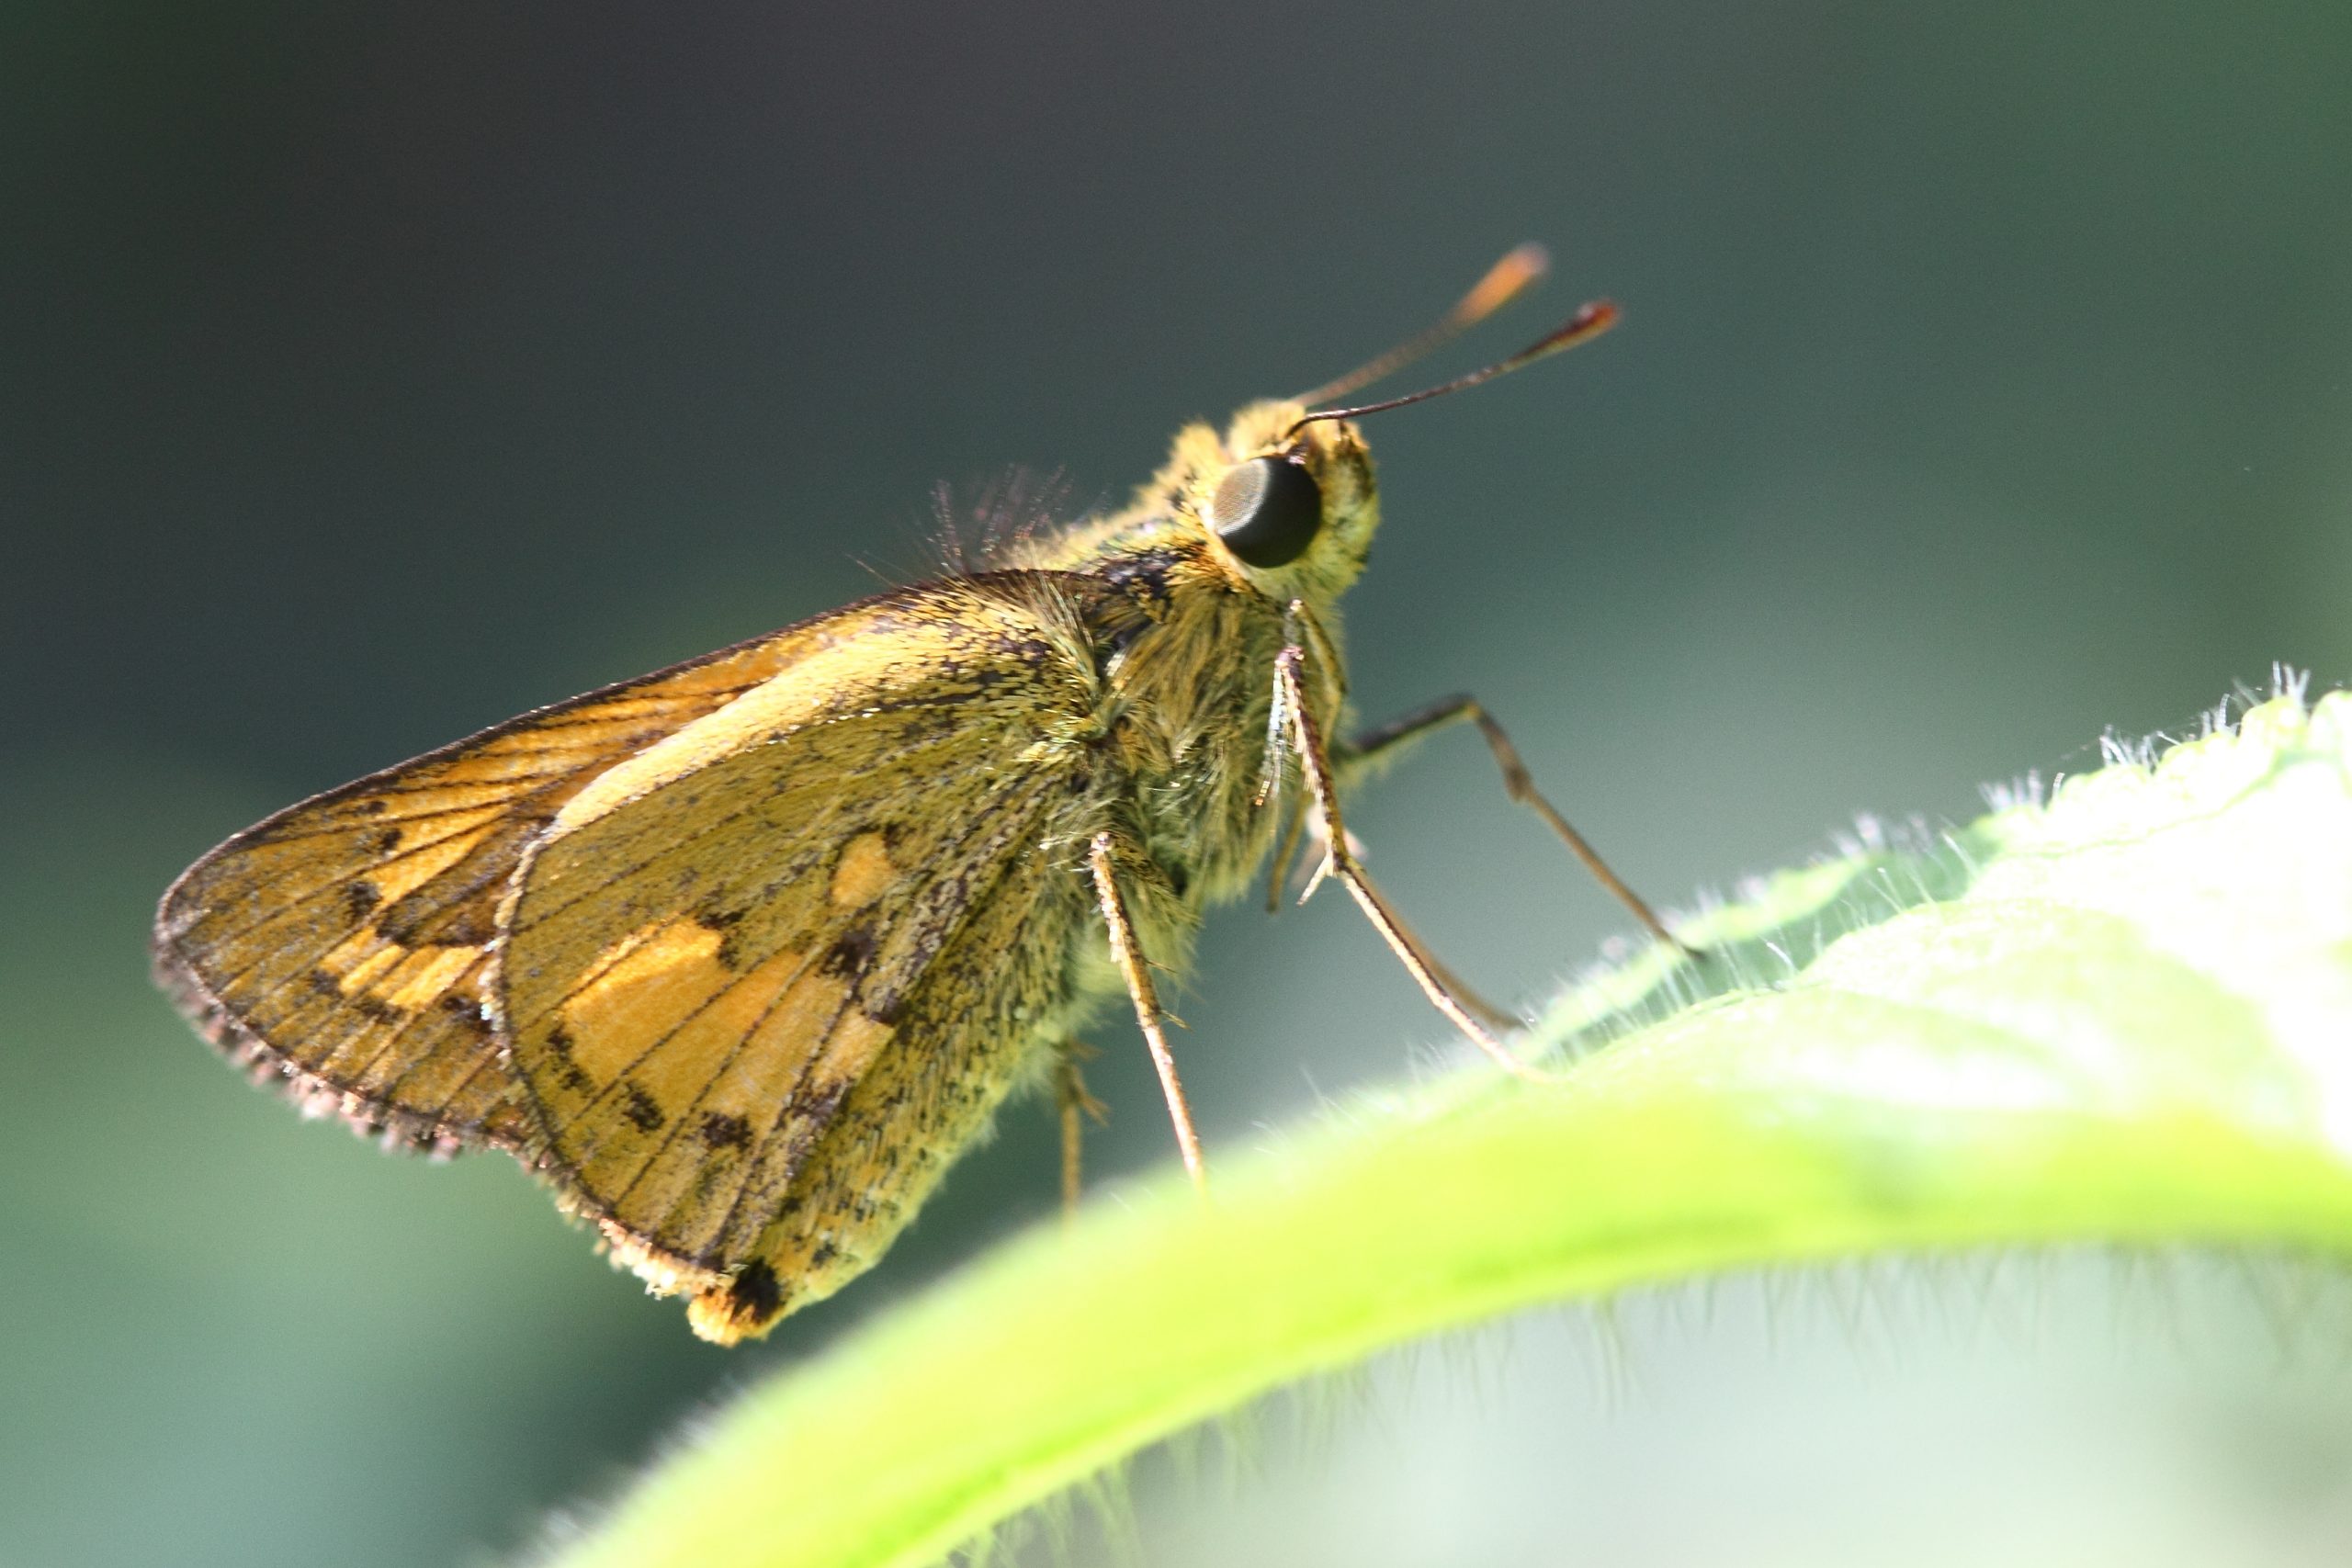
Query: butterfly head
[1286, 495]
[1282, 502]
[1287, 507]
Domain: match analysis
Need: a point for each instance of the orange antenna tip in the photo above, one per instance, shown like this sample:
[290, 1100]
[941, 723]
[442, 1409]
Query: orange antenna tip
[1505, 281]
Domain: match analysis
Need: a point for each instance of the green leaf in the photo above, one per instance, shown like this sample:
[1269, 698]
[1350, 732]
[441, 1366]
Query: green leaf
[2121, 1018]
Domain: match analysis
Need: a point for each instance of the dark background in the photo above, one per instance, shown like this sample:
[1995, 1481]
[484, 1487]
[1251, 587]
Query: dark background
[376, 372]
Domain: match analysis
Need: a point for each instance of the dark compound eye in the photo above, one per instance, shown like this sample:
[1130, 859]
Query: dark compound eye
[1267, 511]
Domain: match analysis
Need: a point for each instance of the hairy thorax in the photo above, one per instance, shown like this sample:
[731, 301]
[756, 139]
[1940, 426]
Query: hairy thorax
[1189, 700]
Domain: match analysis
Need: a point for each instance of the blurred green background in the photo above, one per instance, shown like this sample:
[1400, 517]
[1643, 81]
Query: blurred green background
[376, 372]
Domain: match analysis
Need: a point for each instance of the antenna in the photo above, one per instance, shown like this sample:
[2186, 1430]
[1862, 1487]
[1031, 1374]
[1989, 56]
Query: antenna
[1505, 281]
[1589, 323]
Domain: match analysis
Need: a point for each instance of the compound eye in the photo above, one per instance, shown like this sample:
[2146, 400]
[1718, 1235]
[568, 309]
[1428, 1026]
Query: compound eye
[1267, 511]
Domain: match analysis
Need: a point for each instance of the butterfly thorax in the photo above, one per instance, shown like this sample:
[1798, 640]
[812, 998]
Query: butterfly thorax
[1189, 634]
[1189, 697]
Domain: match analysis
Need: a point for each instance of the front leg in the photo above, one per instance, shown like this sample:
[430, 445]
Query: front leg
[1340, 862]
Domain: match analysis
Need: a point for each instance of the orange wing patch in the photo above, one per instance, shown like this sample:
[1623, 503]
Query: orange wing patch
[864, 869]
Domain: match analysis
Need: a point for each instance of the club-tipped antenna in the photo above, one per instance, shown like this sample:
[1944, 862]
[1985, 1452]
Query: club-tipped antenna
[1505, 281]
[1589, 321]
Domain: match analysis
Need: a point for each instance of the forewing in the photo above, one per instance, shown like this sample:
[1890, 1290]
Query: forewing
[340, 947]
[715, 944]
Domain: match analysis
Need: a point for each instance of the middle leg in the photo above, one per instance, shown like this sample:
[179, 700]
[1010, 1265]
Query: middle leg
[1128, 953]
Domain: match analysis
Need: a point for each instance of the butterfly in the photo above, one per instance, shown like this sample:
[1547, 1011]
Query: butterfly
[740, 956]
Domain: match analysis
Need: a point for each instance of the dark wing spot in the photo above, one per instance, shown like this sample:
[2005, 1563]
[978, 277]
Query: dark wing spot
[639, 1107]
[724, 924]
[376, 1009]
[465, 1011]
[755, 1295]
[568, 1070]
[361, 899]
[442, 915]
[323, 983]
[849, 956]
[824, 1253]
[370, 807]
[722, 1131]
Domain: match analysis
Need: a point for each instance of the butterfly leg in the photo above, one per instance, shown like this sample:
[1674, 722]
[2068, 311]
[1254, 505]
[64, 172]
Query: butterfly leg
[1375, 748]
[1340, 862]
[1494, 1018]
[1076, 1107]
[1285, 848]
[1128, 953]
